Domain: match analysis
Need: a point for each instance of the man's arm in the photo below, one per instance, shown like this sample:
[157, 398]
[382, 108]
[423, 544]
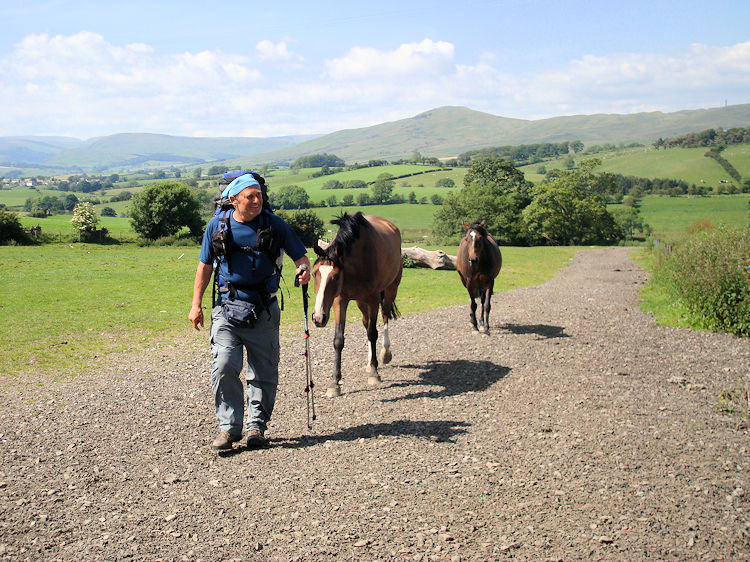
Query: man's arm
[202, 279]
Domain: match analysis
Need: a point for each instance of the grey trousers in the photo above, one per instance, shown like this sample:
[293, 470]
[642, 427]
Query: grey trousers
[261, 344]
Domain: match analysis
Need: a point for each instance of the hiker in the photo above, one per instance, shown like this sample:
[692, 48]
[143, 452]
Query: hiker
[247, 242]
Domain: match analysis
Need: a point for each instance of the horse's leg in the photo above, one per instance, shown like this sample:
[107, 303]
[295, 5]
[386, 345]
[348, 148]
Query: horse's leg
[486, 307]
[473, 313]
[388, 311]
[369, 310]
[339, 308]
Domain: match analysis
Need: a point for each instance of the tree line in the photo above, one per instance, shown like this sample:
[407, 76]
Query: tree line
[709, 137]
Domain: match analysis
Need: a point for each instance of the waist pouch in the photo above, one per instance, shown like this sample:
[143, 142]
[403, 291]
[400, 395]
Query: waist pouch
[239, 313]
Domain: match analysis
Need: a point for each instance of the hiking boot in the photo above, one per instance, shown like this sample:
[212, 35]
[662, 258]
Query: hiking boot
[256, 439]
[224, 440]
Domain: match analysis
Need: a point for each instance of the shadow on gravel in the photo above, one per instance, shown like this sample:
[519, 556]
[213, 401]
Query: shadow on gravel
[456, 377]
[437, 431]
[544, 331]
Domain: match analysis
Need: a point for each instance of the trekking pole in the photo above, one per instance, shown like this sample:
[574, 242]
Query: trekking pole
[309, 384]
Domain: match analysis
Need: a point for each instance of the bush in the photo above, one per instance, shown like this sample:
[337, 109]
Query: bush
[708, 272]
[162, 209]
[306, 224]
[11, 230]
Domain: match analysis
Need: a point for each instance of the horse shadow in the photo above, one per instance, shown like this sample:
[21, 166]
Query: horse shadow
[455, 377]
[439, 431]
[543, 331]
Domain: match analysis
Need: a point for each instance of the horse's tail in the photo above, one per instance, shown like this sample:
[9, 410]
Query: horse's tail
[391, 312]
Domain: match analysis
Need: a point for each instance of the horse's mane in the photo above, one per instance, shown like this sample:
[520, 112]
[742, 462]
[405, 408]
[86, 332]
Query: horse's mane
[350, 227]
[479, 228]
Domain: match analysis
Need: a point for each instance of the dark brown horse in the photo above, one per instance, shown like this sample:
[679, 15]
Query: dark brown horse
[478, 263]
[363, 264]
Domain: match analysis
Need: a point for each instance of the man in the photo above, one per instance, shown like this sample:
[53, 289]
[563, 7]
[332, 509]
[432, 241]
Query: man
[247, 313]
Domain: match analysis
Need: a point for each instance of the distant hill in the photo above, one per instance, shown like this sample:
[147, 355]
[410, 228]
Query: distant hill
[441, 132]
[449, 131]
[128, 151]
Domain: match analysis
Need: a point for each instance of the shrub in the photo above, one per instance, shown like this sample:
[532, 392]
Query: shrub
[11, 230]
[708, 271]
[308, 226]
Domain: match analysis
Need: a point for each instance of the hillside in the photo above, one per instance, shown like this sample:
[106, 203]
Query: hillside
[448, 131]
[128, 151]
[441, 132]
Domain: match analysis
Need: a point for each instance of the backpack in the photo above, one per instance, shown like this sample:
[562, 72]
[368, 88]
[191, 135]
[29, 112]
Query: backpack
[223, 243]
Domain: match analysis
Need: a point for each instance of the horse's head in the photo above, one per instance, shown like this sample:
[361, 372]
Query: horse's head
[474, 237]
[327, 274]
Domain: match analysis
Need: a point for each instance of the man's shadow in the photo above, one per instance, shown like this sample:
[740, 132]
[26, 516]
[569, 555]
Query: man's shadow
[455, 377]
[438, 431]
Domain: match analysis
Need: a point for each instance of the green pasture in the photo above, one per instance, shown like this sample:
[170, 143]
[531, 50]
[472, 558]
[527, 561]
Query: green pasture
[422, 182]
[68, 306]
[688, 164]
[738, 155]
[59, 225]
[670, 216]
[414, 221]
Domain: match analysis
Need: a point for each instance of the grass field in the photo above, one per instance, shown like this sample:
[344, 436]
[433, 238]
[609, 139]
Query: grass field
[68, 306]
[670, 216]
[688, 164]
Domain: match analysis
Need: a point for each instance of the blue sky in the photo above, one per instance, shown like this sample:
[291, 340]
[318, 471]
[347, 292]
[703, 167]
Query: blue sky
[262, 69]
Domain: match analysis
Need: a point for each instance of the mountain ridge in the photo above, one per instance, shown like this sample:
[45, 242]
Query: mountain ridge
[442, 132]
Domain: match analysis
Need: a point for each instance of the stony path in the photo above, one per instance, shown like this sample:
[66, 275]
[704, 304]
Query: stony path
[579, 429]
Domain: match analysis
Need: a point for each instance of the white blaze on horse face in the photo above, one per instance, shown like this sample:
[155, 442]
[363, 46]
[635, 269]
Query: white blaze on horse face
[325, 272]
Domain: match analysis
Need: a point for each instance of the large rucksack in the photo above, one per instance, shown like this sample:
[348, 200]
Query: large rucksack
[223, 242]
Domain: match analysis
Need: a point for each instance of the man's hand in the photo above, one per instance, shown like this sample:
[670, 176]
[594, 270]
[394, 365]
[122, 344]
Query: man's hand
[196, 316]
[303, 274]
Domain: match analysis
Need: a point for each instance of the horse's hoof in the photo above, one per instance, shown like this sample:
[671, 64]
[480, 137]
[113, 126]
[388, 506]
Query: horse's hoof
[373, 380]
[386, 356]
[333, 391]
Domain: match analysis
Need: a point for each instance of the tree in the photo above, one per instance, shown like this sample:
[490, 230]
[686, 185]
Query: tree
[363, 199]
[347, 200]
[11, 230]
[629, 221]
[163, 208]
[494, 191]
[382, 188]
[576, 146]
[290, 197]
[445, 182]
[108, 212]
[332, 184]
[85, 220]
[69, 202]
[308, 226]
[566, 210]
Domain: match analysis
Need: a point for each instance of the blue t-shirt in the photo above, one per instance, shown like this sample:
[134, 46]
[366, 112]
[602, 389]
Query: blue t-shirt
[251, 268]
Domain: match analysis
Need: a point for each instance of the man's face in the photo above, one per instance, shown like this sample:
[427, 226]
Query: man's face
[248, 202]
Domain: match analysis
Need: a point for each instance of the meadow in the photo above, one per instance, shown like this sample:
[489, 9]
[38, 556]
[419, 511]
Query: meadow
[69, 306]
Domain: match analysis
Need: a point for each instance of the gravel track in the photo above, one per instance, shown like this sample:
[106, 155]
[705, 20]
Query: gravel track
[578, 429]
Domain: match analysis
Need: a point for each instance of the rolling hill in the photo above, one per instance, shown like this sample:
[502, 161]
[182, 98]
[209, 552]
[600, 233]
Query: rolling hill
[449, 131]
[441, 132]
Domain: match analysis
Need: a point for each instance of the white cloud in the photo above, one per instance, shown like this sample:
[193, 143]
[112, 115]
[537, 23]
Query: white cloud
[412, 60]
[84, 86]
[276, 52]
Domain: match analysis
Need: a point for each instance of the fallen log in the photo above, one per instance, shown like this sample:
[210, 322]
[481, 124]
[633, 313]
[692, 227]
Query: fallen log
[436, 259]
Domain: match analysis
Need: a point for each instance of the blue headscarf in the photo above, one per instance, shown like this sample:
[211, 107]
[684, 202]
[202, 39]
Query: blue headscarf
[237, 185]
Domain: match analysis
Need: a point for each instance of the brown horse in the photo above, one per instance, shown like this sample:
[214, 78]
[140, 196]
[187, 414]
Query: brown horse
[363, 263]
[478, 263]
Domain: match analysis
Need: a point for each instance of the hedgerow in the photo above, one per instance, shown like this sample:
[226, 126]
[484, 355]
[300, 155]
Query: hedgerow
[708, 271]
